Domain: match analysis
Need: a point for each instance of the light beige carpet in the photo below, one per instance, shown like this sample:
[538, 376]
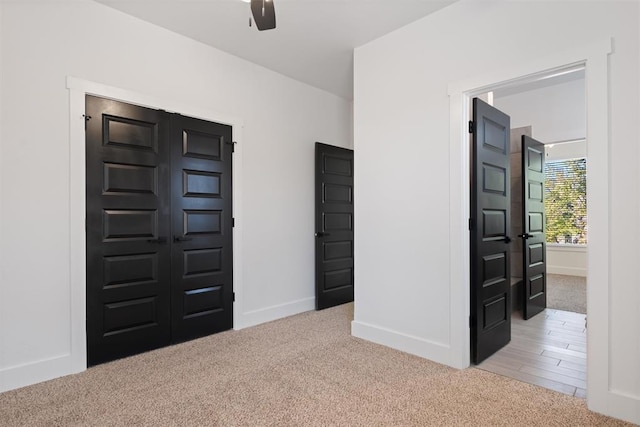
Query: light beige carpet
[568, 293]
[305, 370]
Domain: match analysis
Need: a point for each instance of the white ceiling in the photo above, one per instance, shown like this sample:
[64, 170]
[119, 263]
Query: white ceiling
[313, 41]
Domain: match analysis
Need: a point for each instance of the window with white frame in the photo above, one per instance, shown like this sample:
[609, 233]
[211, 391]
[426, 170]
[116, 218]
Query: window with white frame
[566, 201]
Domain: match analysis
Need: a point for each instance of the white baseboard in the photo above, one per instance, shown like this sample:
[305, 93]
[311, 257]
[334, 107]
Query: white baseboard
[35, 372]
[267, 314]
[618, 405]
[567, 271]
[434, 351]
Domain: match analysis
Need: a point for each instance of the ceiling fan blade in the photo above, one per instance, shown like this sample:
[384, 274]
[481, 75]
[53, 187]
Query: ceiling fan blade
[264, 14]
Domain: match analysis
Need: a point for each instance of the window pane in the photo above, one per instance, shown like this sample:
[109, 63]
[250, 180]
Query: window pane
[566, 201]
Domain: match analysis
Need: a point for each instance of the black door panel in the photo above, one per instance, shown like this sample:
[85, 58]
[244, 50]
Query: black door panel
[128, 277]
[534, 241]
[202, 289]
[334, 226]
[490, 216]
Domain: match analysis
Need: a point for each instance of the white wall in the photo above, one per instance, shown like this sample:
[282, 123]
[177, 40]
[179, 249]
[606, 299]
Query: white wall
[566, 150]
[555, 113]
[402, 130]
[44, 42]
[567, 259]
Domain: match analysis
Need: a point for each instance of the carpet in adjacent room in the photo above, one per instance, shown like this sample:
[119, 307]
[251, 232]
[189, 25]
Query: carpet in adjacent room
[567, 293]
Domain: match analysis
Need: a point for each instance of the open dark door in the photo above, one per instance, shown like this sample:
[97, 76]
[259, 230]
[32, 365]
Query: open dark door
[334, 226]
[490, 224]
[534, 242]
[128, 225]
[202, 253]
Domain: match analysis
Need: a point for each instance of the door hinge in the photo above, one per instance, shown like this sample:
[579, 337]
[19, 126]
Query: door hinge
[86, 119]
[470, 224]
[233, 145]
[472, 322]
[471, 127]
[233, 296]
[233, 222]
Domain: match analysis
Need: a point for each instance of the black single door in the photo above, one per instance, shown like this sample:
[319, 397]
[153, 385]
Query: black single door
[202, 227]
[490, 224]
[533, 220]
[128, 225]
[334, 226]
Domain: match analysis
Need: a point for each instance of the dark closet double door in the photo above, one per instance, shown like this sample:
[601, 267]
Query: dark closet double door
[159, 228]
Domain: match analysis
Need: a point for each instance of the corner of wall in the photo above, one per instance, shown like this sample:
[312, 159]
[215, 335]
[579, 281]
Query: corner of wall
[268, 314]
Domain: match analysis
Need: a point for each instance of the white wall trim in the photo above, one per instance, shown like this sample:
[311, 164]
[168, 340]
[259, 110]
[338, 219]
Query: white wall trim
[77, 230]
[437, 352]
[35, 372]
[275, 312]
[78, 88]
[559, 247]
[601, 397]
[567, 271]
[620, 404]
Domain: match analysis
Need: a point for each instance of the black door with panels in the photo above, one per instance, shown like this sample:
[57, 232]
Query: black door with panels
[490, 224]
[159, 254]
[334, 226]
[202, 291]
[533, 220]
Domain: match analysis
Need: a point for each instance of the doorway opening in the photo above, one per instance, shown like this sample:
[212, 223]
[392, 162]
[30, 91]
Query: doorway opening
[548, 349]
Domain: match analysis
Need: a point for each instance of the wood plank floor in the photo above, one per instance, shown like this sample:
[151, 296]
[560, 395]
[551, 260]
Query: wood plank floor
[548, 350]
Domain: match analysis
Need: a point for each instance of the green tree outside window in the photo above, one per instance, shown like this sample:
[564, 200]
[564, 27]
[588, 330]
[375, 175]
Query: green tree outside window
[566, 201]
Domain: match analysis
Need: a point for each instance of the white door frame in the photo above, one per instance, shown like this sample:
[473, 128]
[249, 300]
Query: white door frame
[78, 89]
[595, 59]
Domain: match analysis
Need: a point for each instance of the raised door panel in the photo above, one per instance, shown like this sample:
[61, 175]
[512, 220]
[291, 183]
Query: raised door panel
[129, 133]
[130, 179]
[130, 270]
[201, 183]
